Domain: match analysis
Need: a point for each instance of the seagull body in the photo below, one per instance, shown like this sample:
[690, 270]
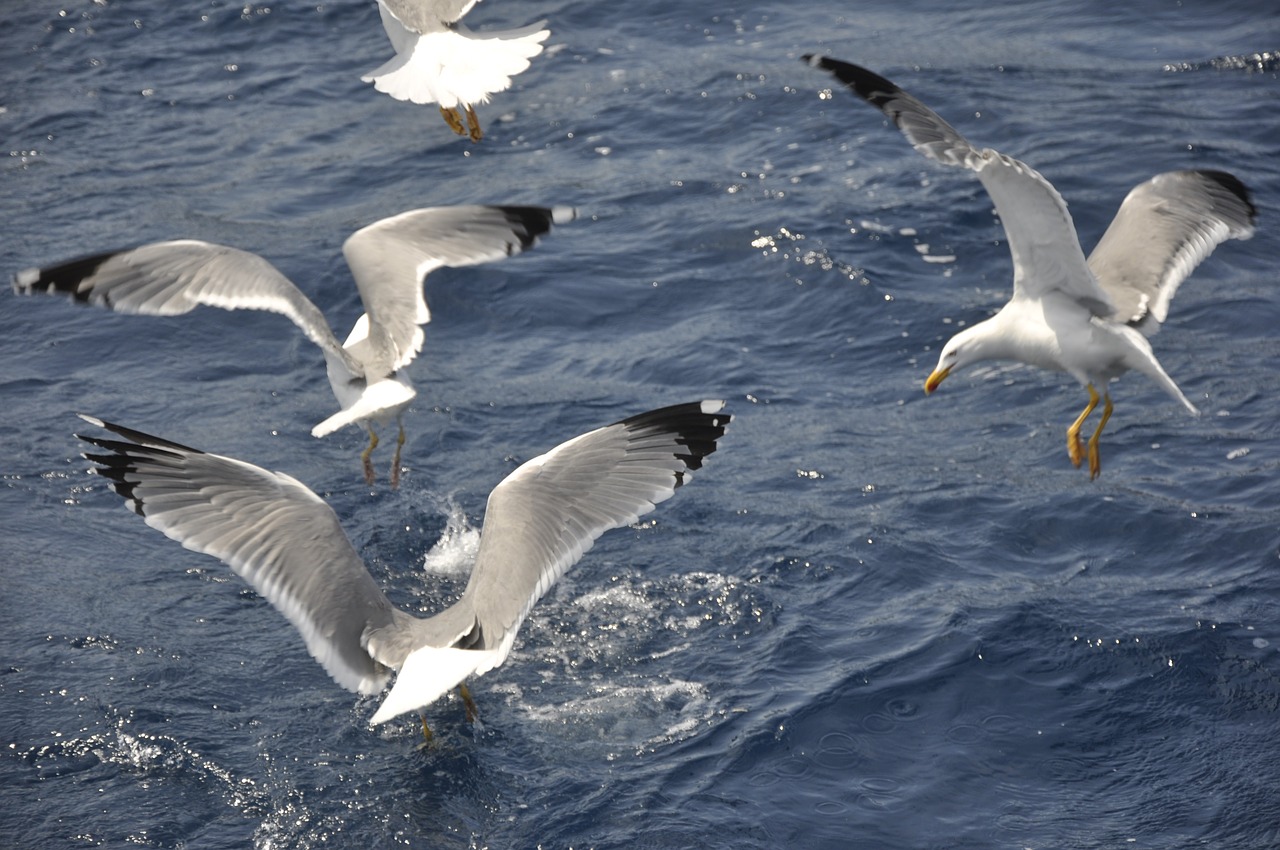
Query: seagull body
[1090, 318]
[287, 543]
[439, 60]
[389, 260]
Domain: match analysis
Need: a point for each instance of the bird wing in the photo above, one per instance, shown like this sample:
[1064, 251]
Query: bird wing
[390, 258]
[269, 528]
[1042, 237]
[175, 277]
[1164, 229]
[543, 516]
[422, 16]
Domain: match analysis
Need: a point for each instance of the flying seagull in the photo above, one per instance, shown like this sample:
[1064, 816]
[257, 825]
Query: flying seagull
[389, 260]
[1088, 318]
[439, 60]
[284, 540]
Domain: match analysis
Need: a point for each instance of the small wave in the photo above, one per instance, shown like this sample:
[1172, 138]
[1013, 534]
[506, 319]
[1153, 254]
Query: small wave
[150, 755]
[635, 718]
[1267, 60]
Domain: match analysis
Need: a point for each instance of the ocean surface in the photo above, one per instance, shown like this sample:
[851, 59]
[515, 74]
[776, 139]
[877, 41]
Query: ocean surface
[873, 620]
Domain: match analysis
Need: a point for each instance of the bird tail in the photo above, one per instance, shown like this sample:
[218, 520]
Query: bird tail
[427, 674]
[1141, 358]
[379, 402]
[456, 66]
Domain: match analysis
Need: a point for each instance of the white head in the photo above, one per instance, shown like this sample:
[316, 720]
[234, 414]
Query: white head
[968, 346]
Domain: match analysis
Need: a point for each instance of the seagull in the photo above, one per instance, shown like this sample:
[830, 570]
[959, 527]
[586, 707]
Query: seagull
[286, 542]
[1089, 318]
[389, 260]
[439, 60]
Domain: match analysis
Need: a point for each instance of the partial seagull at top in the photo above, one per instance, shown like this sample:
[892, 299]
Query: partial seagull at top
[389, 260]
[283, 539]
[439, 60]
[1088, 318]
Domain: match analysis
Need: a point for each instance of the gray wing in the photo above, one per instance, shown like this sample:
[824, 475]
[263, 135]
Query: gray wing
[270, 529]
[1042, 237]
[424, 16]
[1164, 229]
[390, 258]
[175, 277]
[545, 515]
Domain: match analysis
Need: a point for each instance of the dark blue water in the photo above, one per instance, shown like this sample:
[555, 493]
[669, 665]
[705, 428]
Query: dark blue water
[876, 620]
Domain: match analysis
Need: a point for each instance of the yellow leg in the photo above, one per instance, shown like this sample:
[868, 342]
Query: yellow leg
[364, 456]
[395, 460]
[428, 739]
[473, 713]
[1075, 446]
[1095, 464]
[473, 124]
[454, 120]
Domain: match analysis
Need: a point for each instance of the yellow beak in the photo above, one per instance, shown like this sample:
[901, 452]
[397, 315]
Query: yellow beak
[936, 377]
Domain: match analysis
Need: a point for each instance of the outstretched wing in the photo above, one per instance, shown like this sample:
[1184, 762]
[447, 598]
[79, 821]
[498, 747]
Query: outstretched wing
[175, 277]
[545, 515]
[270, 529]
[390, 258]
[1042, 237]
[1164, 229]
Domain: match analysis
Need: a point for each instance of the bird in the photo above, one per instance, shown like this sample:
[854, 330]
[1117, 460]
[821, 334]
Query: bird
[439, 60]
[1090, 318]
[389, 260]
[285, 541]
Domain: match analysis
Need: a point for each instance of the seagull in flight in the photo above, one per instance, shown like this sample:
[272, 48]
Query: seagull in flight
[286, 542]
[439, 60]
[389, 260]
[1088, 317]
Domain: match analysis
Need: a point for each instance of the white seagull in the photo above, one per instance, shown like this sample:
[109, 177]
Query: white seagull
[1088, 318]
[439, 60]
[284, 540]
[389, 260]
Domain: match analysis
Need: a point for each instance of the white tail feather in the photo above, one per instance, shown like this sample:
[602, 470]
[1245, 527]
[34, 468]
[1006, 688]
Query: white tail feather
[426, 675]
[458, 66]
[379, 402]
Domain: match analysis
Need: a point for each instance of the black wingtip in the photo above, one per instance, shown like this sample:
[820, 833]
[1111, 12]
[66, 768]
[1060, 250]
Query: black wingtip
[529, 223]
[696, 425]
[116, 470]
[142, 439]
[1235, 186]
[867, 84]
[64, 277]
[122, 457]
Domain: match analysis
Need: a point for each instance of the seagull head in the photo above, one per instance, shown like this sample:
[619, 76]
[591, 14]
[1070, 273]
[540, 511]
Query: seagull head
[962, 349]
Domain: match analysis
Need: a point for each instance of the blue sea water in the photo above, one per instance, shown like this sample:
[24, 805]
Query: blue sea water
[874, 620]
